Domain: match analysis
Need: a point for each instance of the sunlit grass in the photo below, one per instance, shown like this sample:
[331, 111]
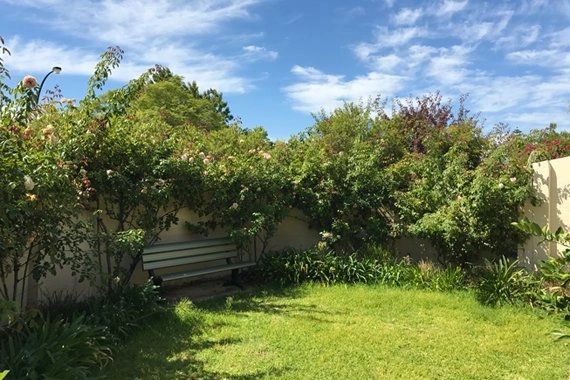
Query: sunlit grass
[355, 332]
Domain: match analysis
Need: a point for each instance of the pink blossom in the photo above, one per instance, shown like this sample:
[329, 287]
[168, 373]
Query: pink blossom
[29, 82]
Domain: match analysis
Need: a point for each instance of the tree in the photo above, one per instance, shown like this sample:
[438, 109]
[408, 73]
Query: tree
[179, 103]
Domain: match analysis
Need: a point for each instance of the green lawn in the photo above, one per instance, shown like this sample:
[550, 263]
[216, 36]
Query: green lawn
[346, 332]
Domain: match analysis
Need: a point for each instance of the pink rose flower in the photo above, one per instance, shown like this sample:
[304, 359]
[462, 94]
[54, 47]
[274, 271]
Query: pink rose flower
[29, 82]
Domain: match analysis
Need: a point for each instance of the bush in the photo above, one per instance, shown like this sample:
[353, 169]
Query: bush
[426, 275]
[294, 267]
[56, 349]
[74, 337]
[369, 265]
[503, 282]
[122, 310]
[555, 271]
[125, 309]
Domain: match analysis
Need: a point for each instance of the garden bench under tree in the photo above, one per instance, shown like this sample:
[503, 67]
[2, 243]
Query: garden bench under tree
[172, 255]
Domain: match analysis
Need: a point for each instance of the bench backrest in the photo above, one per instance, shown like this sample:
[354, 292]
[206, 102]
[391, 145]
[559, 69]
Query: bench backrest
[173, 254]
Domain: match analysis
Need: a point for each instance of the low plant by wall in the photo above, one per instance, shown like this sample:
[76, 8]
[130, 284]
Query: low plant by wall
[370, 265]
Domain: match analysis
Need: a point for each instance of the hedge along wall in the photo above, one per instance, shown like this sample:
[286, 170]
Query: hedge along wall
[551, 179]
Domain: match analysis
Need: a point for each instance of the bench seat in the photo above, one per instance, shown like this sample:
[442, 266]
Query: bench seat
[200, 272]
[171, 255]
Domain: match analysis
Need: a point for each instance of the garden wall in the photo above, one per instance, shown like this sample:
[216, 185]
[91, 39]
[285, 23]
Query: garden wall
[552, 183]
[293, 232]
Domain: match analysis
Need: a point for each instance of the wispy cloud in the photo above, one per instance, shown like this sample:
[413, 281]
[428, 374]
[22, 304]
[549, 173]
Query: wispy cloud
[259, 52]
[449, 66]
[130, 23]
[210, 70]
[315, 90]
[449, 54]
[560, 38]
[387, 38]
[151, 32]
[448, 8]
[407, 16]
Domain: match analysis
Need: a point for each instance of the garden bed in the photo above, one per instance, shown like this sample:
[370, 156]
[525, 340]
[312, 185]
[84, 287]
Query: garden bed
[346, 332]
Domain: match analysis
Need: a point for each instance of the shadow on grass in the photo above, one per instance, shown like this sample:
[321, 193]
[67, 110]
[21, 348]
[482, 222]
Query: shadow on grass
[266, 300]
[168, 347]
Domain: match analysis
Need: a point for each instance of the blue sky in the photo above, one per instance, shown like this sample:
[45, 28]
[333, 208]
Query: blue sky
[277, 61]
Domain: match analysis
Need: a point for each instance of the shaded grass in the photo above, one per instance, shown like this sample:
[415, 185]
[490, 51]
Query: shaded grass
[349, 332]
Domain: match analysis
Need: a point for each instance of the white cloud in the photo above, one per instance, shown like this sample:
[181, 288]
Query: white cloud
[386, 38]
[209, 70]
[450, 7]
[449, 66]
[315, 90]
[37, 56]
[490, 29]
[407, 16]
[259, 52]
[388, 63]
[532, 6]
[550, 58]
[520, 36]
[560, 38]
[150, 32]
[135, 22]
[537, 119]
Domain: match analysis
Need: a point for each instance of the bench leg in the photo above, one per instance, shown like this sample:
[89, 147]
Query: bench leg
[234, 279]
[156, 280]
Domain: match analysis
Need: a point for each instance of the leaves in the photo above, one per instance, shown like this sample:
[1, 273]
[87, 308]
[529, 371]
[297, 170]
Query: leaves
[109, 60]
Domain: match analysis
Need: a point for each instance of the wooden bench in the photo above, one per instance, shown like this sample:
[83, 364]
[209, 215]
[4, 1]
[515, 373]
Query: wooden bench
[170, 255]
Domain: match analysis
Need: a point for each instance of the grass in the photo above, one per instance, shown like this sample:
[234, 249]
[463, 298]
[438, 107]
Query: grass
[346, 332]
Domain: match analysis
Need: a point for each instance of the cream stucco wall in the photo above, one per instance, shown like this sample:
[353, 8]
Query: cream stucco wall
[293, 232]
[551, 180]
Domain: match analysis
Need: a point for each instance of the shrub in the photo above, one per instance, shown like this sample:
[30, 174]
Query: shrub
[120, 311]
[48, 348]
[426, 275]
[555, 271]
[125, 309]
[503, 282]
[313, 265]
[370, 265]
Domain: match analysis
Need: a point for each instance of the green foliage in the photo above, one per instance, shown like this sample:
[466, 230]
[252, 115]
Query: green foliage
[109, 60]
[247, 189]
[126, 309]
[4, 74]
[371, 265]
[55, 349]
[363, 177]
[555, 271]
[178, 103]
[37, 230]
[3, 374]
[295, 267]
[339, 177]
[503, 282]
